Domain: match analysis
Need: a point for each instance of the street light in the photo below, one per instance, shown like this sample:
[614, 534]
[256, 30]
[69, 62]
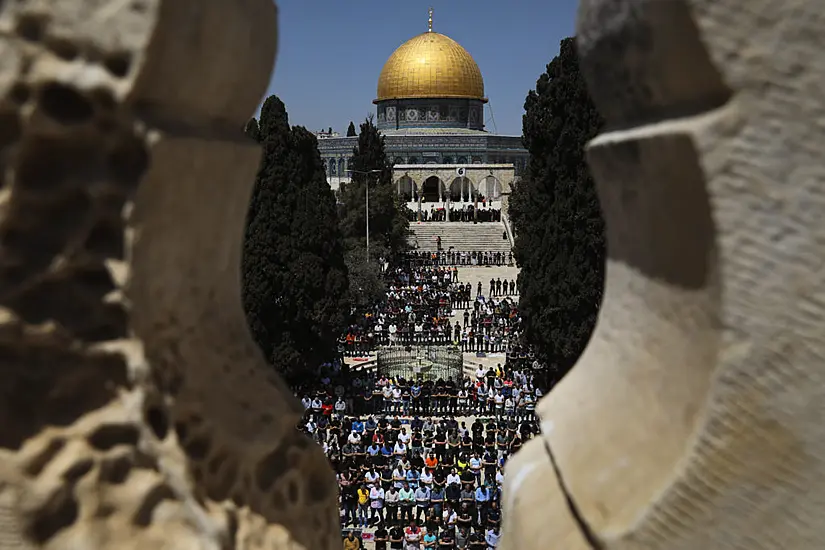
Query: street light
[367, 202]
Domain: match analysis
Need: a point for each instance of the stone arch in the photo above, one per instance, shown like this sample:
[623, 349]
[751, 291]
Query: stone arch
[406, 188]
[332, 167]
[491, 187]
[432, 189]
[459, 190]
[342, 166]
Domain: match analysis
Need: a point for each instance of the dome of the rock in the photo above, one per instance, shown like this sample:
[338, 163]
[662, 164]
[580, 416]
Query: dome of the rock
[430, 65]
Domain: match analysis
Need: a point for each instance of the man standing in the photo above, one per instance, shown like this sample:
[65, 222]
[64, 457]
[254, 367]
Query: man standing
[406, 501]
[412, 536]
[391, 499]
[422, 502]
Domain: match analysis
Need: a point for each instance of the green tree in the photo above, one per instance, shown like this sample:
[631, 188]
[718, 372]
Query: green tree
[387, 223]
[294, 274]
[351, 130]
[559, 229]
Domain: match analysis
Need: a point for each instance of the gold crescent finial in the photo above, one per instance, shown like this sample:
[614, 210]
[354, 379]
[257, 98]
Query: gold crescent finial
[430, 22]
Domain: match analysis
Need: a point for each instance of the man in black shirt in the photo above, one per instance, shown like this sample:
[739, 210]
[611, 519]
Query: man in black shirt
[476, 541]
[396, 537]
[349, 502]
[445, 540]
[381, 537]
[453, 493]
[493, 515]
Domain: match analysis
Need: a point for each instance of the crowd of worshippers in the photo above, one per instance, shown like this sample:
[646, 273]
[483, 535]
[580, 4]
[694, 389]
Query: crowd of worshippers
[502, 395]
[452, 257]
[423, 314]
[492, 325]
[466, 213]
[432, 483]
[435, 472]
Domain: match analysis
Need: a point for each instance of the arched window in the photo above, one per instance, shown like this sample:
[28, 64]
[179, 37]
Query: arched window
[447, 160]
[462, 160]
[342, 167]
[398, 160]
[413, 160]
[333, 167]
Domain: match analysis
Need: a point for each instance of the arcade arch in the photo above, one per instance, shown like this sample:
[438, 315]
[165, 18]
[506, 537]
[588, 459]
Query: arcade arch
[406, 188]
[460, 189]
[432, 190]
[491, 188]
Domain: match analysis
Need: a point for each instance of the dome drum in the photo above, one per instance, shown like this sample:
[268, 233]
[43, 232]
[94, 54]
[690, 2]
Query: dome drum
[395, 114]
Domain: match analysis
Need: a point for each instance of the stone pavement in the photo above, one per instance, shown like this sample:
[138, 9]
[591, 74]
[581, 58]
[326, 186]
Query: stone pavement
[475, 274]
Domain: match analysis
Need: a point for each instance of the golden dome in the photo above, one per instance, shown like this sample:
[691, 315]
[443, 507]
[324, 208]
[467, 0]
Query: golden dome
[430, 65]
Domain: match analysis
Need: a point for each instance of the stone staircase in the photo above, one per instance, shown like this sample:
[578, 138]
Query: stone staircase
[462, 236]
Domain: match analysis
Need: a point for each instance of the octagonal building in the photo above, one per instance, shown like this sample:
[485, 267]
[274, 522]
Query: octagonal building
[430, 108]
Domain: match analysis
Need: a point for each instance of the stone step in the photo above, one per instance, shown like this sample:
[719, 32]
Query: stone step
[461, 236]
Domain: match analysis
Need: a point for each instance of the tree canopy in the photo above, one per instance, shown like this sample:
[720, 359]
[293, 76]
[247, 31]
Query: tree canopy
[351, 130]
[370, 167]
[388, 225]
[555, 212]
[295, 286]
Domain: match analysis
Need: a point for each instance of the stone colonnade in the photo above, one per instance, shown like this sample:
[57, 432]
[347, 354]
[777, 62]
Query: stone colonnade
[469, 178]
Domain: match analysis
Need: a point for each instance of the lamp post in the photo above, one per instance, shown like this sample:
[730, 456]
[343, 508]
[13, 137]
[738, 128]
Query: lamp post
[366, 173]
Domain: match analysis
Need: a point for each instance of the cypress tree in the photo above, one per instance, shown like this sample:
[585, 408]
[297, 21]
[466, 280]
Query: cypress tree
[294, 275]
[388, 224]
[351, 130]
[555, 212]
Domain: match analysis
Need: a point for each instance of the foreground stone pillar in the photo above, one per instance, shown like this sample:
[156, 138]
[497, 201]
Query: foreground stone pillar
[694, 418]
[135, 410]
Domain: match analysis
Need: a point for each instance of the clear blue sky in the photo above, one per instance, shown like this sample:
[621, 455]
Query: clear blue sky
[332, 51]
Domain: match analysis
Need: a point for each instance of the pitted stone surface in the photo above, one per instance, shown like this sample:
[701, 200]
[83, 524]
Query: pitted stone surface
[135, 410]
[693, 419]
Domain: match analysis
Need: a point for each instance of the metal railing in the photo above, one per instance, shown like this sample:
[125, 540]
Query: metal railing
[421, 362]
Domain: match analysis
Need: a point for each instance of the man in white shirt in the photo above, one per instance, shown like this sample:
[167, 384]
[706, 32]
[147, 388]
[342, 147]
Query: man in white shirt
[396, 399]
[317, 404]
[480, 373]
[371, 477]
[400, 449]
[354, 438]
[404, 436]
[306, 402]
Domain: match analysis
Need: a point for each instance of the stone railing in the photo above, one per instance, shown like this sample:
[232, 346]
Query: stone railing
[694, 418]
